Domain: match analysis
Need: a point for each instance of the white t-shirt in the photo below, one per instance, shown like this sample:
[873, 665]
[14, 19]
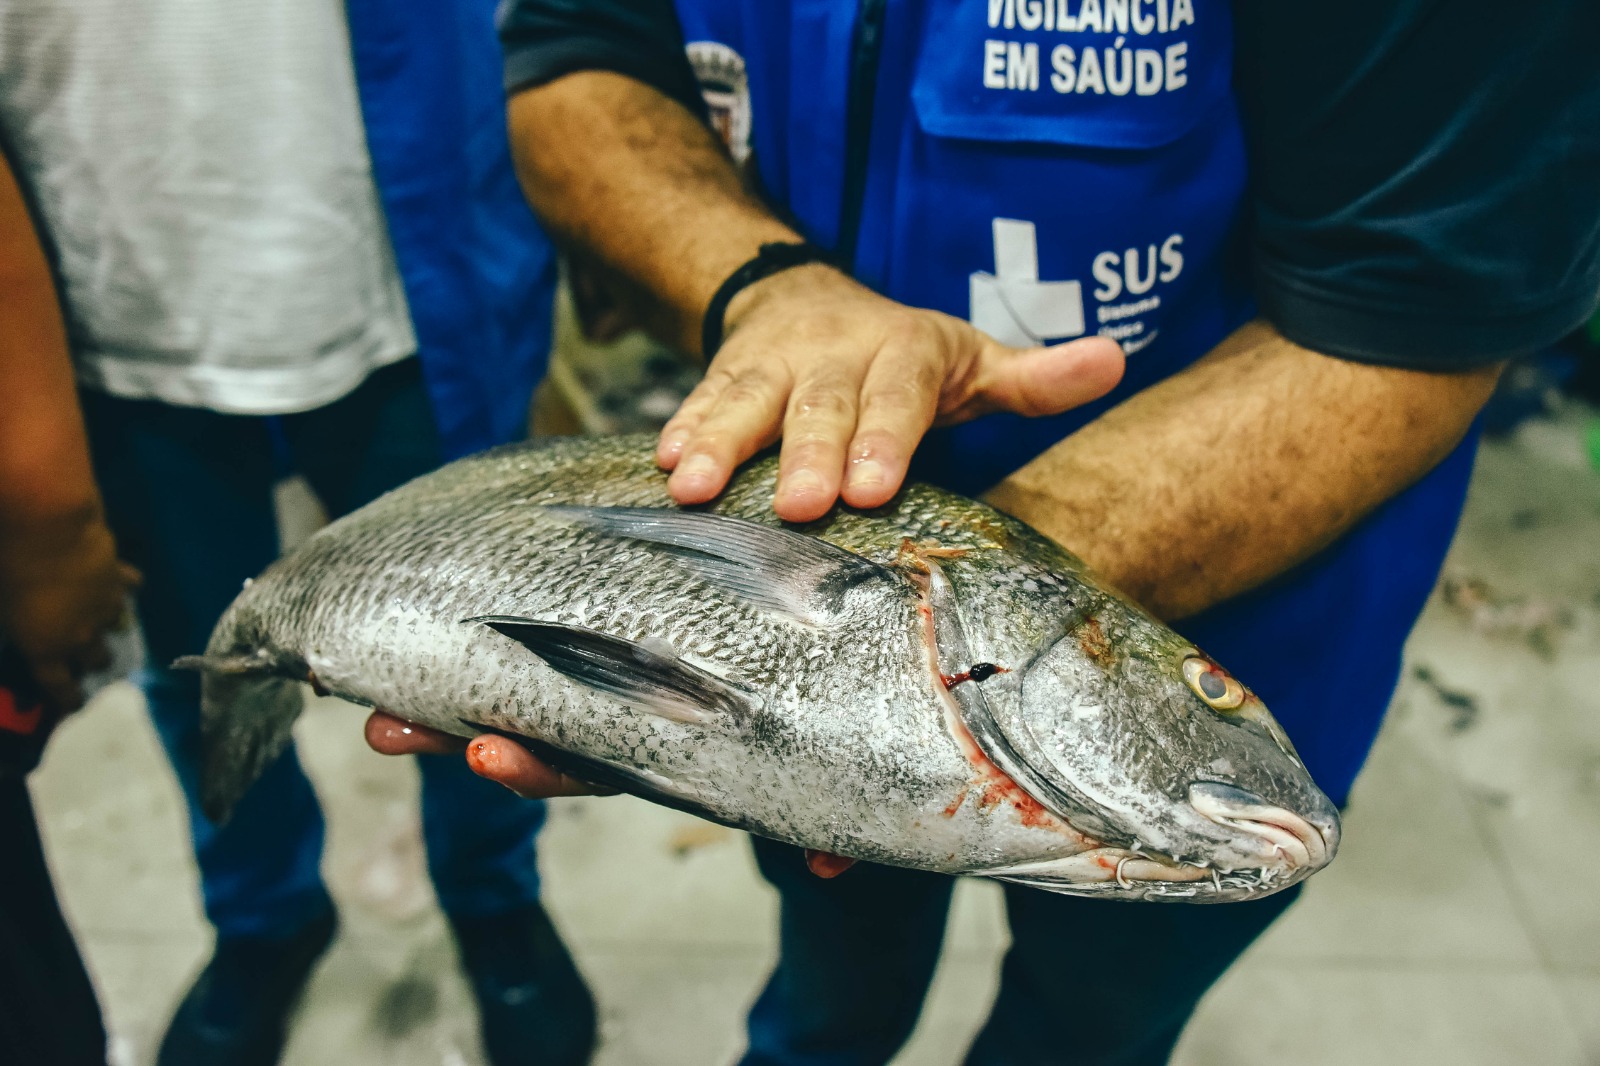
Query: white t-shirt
[202, 171]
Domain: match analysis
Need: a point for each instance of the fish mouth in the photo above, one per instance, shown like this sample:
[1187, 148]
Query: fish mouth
[1279, 836]
[1270, 849]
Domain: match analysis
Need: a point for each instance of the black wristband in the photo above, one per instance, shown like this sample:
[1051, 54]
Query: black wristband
[768, 261]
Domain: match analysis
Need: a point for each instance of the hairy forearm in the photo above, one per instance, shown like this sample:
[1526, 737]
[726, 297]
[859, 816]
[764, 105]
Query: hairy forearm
[632, 182]
[46, 481]
[1231, 472]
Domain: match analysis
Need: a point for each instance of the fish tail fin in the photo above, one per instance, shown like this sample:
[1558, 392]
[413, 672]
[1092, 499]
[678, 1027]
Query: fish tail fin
[248, 706]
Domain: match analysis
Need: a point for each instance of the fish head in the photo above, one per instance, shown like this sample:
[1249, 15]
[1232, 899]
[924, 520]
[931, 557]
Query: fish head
[1176, 768]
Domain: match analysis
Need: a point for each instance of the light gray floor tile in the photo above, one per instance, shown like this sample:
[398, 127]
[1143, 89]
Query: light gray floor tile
[622, 871]
[139, 981]
[1581, 994]
[374, 1001]
[1339, 1016]
[1527, 751]
[673, 1007]
[1413, 880]
[112, 819]
[977, 917]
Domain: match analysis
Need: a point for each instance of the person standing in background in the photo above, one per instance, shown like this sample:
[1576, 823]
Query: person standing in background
[291, 229]
[61, 587]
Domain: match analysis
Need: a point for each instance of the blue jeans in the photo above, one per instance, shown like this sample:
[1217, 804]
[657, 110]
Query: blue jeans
[189, 496]
[1086, 982]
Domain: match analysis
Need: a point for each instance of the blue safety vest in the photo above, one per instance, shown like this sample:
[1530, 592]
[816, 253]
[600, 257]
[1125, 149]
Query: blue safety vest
[479, 274]
[1048, 169]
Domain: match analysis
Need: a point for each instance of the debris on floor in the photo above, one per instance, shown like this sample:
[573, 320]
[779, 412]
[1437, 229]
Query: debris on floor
[1462, 705]
[1534, 621]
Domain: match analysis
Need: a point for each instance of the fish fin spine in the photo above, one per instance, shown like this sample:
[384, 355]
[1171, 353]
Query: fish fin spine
[649, 677]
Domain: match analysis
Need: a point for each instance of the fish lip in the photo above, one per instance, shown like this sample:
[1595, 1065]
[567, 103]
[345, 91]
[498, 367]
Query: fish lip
[1302, 845]
[1111, 872]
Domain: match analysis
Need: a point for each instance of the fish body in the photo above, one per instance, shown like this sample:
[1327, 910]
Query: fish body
[932, 684]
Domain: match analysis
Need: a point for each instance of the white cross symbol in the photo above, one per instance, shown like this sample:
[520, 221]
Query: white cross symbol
[1012, 305]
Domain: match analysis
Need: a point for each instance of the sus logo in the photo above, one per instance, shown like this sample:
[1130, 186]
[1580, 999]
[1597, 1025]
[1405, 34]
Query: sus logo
[1012, 305]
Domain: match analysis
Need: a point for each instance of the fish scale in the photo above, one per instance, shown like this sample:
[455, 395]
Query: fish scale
[554, 592]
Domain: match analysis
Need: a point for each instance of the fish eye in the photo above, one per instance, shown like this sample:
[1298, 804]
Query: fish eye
[1212, 684]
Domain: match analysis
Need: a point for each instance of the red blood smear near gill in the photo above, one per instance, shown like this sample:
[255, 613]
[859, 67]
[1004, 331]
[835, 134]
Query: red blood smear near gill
[825, 864]
[984, 671]
[997, 786]
[994, 783]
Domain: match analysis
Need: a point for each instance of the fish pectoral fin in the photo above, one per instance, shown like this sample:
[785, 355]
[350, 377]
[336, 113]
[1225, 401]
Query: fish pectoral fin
[777, 569]
[656, 681]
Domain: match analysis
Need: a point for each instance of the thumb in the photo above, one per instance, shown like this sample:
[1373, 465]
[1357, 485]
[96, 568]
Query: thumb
[1047, 381]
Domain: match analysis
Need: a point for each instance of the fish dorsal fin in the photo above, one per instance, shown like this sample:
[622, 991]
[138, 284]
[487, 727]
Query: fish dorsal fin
[652, 678]
[777, 569]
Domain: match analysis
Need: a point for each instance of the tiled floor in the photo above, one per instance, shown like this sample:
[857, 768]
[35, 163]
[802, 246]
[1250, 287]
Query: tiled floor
[1460, 925]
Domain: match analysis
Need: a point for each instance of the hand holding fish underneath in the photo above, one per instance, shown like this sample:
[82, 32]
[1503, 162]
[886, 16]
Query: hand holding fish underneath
[499, 759]
[507, 762]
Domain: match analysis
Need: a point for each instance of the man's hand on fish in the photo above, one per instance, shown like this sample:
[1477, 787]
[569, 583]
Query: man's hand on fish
[850, 381]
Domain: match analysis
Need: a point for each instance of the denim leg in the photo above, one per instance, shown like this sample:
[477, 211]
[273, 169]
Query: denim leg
[375, 439]
[857, 953]
[1091, 982]
[260, 874]
[479, 835]
[188, 495]
[480, 840]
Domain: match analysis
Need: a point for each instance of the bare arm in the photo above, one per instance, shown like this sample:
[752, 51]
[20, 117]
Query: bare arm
[1222, 476]
[849, 380]
[60, 582]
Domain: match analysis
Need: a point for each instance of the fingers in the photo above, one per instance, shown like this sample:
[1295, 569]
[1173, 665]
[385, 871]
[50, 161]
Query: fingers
[817, 426]
[741, 415]
[505, 761]
[497, 758]
[851, 382]
[1046, 381]
[681, 426]
[827, 865]
[898, 401]
[389, 735]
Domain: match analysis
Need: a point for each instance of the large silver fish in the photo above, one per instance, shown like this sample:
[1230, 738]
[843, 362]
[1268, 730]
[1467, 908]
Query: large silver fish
[932, 684]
